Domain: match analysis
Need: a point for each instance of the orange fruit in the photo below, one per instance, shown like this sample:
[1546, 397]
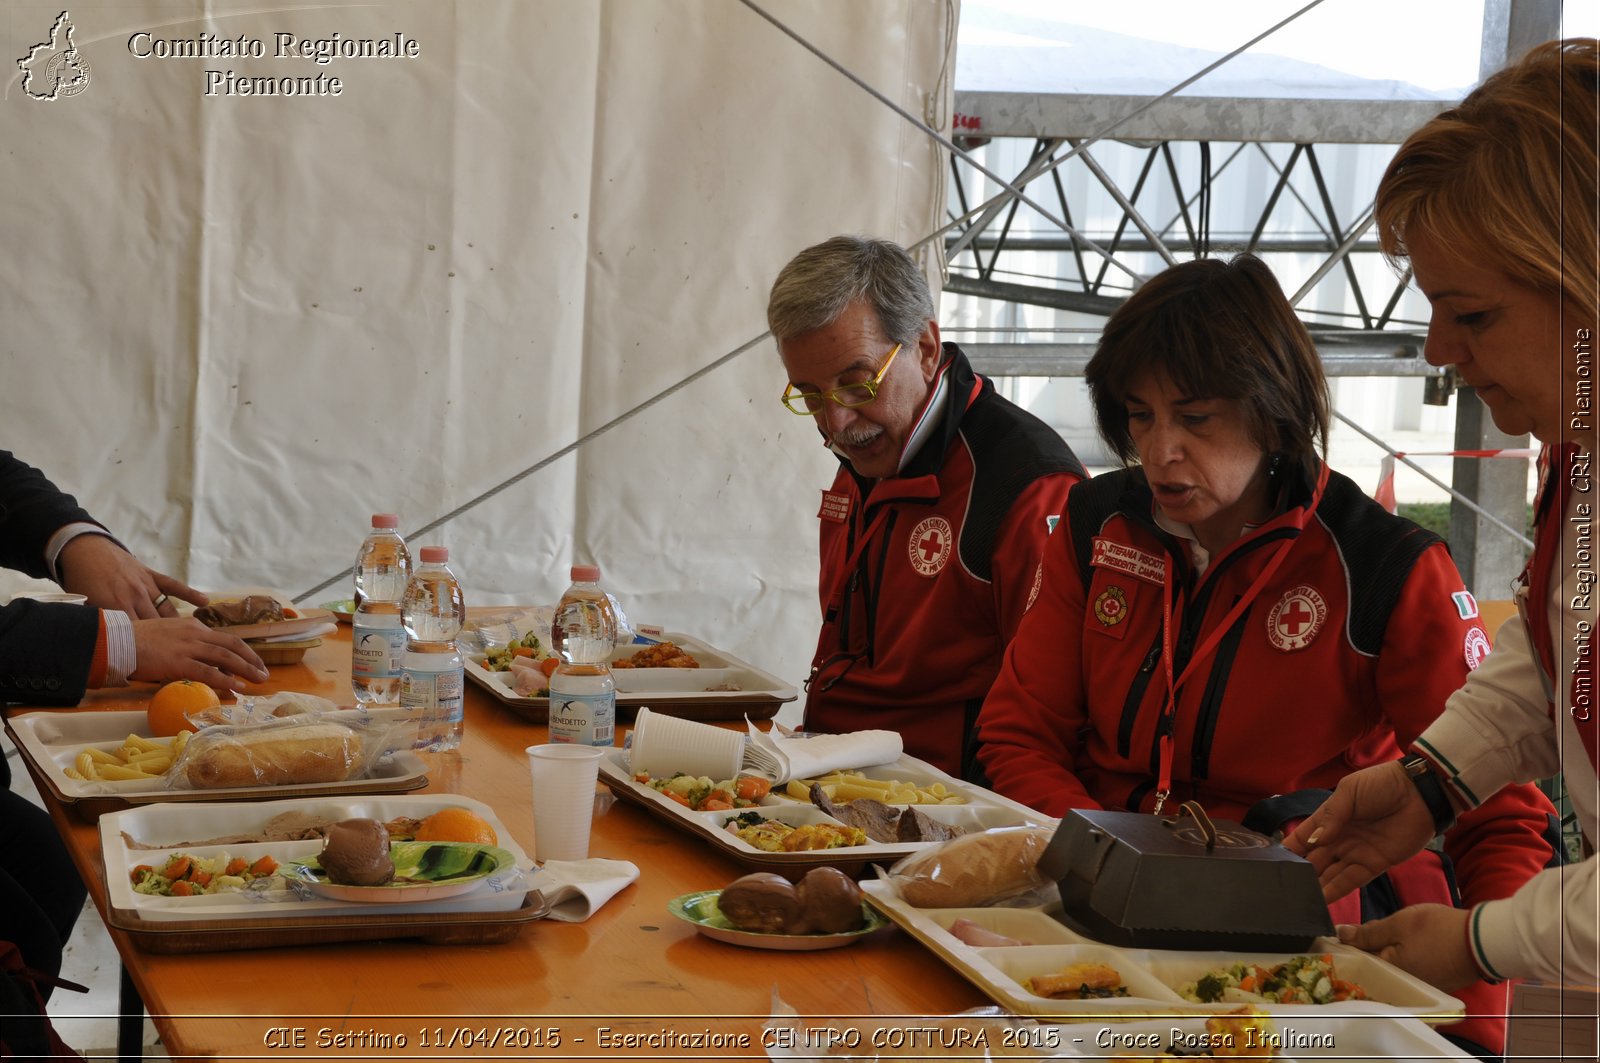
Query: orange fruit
[174, 701]
[456, 825]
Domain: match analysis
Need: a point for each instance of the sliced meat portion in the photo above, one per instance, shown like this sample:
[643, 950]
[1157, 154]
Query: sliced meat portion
[874, 817]
[917, 826]
[251, 609]
[884, 823]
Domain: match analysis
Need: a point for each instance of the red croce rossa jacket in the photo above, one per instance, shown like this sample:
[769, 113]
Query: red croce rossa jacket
[1341, 659]
[946, 556]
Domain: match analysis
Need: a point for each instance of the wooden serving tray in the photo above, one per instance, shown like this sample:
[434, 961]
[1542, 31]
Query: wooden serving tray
[445, 928]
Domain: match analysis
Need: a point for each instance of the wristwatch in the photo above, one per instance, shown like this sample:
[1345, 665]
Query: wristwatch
[1419, 769]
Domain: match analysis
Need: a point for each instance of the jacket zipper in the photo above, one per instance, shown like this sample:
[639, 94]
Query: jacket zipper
[1211, 704]
[1130, 706]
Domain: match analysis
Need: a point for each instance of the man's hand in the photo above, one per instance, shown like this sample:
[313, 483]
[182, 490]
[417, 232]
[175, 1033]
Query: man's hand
[174, 648]
[111, 578]
[1427, 940]
[1374, 820]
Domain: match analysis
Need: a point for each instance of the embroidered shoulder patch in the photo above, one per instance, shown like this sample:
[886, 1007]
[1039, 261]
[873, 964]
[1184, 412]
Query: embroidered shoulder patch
[1476, 647]
[1121, 557]
[1466, 605]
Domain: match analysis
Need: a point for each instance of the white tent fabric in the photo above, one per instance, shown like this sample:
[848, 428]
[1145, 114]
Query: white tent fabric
[235, 326]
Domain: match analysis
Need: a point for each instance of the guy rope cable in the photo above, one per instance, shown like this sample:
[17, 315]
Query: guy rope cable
[747, 345]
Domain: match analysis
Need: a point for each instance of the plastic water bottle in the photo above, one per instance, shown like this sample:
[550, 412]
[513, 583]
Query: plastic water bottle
[583, 697]
[585, 588]
[378, 642]
[431, 682]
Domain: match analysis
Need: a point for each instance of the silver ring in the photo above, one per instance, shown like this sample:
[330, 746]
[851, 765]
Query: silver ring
[159, 602]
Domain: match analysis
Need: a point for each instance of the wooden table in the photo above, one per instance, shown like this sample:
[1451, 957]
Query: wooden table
[632, 968]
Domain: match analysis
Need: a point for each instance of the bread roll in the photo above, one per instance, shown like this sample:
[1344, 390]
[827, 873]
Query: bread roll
[273, 756]
[974, 869]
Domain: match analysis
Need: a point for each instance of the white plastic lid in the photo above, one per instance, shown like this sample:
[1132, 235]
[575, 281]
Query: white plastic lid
[432, 555]
[586, 573]
[385, 520]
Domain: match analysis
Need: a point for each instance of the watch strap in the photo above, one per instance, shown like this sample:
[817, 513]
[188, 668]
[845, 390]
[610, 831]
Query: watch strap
[1430, 787]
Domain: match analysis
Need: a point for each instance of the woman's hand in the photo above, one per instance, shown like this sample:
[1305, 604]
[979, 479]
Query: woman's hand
[1427, 940]
[1375, 819]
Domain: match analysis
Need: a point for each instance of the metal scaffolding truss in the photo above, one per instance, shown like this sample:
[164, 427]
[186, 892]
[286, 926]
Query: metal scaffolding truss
[979, 249]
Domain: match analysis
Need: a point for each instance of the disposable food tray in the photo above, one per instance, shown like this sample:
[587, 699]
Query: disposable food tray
[1152, 976]
[51, 741]
[678, 691]
[493, 912]
[983, 810]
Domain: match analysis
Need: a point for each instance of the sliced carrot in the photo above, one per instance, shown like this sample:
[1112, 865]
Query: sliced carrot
[182, 889]
[139, 871]
[1248, 983]
[549, 665]
[200, 878]
[716, 804]
[522, 651]
[682, 800]
[236, 866]
[264, 866]
[752, 787]
[178, 867]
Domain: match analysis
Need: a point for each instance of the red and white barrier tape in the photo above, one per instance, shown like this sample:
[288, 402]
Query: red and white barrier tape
[1384, 494]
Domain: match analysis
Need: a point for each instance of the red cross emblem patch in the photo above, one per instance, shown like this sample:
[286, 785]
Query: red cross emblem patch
[929, 545]
[1476, 647]
[1296, 619]
[1111, 606]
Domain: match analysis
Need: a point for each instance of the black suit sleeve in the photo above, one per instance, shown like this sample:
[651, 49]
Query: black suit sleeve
[46, 650]
[31, 510]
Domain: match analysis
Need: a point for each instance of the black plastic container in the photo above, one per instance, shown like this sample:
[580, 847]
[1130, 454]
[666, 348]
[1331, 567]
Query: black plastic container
[1165, 882]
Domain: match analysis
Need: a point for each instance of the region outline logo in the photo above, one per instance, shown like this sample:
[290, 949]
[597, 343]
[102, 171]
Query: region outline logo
[65, 73]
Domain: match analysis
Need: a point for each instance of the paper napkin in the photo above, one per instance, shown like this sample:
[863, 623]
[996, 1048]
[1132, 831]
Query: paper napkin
[576, 889]
[783, 757]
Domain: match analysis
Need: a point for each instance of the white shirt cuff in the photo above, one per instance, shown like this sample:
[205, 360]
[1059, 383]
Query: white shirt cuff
[64, 535]
[122, 655]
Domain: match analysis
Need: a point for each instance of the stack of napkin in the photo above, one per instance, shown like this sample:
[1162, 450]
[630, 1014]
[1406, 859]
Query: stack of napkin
[781, 757]
[576, 889]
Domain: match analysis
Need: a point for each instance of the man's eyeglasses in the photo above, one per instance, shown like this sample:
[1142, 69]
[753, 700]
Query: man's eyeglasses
[810, 403]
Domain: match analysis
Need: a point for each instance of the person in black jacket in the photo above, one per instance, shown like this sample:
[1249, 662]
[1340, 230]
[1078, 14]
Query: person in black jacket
[51, 653]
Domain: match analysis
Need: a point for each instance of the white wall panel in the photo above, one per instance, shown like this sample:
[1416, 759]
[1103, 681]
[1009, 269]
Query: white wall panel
[235, 326]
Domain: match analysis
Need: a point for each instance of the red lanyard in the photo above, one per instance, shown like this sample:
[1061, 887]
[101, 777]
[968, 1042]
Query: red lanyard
[1166, 723]
[836, 598]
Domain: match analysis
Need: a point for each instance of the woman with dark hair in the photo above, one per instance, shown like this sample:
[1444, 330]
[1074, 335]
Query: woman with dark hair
[1493, 204]
[1227, 619]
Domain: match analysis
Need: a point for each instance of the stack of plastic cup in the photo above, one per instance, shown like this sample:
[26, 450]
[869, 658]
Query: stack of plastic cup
[665, 745]
[564, 776]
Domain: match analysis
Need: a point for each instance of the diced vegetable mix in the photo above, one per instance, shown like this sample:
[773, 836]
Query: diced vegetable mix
[498, 658]
[701, 794]
[1301, 980]
[190, 876]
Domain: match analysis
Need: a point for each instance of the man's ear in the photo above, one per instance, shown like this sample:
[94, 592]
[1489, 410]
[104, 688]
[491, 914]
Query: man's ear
[930, 352]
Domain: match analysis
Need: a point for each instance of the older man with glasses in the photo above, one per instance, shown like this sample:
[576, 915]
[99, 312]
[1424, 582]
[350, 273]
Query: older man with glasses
[932, 532]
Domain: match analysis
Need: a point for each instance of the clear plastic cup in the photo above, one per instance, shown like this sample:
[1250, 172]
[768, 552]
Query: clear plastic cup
[564, 778]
